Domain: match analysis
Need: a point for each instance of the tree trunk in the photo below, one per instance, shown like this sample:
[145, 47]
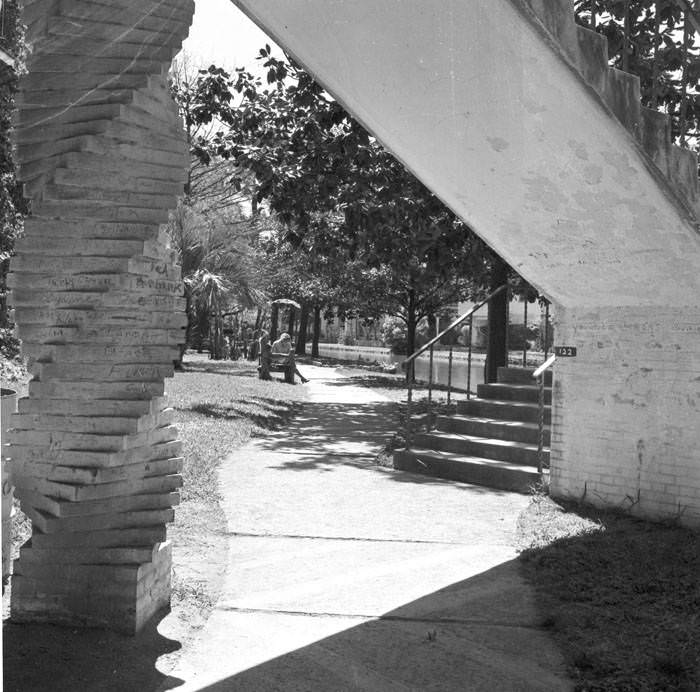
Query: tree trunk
[432, 326]
[654, 100]
[497, 350]
[626, 42]
[188, 329]
[411, 323]
[253, 345]
[4, 312]
[217, 342]
[303, 327]
[291, 320]
[273, 322]
[685, 79]
[317, 331]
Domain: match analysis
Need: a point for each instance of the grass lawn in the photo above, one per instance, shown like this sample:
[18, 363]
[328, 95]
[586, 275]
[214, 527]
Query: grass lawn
[219, 406]
[621, 596]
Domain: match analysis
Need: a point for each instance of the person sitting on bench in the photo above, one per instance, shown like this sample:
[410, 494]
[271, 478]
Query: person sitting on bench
[283, 346]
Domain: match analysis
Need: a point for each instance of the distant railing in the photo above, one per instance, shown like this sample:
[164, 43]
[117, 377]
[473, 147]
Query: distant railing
[468, 318]
[409, 363]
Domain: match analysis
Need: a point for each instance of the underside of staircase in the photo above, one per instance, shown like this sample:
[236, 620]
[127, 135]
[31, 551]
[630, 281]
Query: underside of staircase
[492, 440]
[509, 112]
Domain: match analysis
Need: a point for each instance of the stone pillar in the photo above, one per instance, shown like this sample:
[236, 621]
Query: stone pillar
[99, 309]
[626, 410]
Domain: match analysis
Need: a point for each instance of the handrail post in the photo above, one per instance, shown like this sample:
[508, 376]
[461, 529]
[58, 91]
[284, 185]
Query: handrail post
[409, 399]
[449, 377]
[430, 391]
[540, 424]
[525, 333]
[469, 359]
[539, 375]
[546, 330]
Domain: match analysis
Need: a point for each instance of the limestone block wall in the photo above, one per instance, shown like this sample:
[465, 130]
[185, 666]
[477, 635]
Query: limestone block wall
[99, 308]
[626, 410]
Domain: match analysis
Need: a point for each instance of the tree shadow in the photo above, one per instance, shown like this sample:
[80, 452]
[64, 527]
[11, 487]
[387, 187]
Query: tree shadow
[326, 427]
[268, 414]
[481, 633]
[221, 367]
[46, 658]
[324, 437]
[392, 382]
[330, 462]
[623, 601]
[372, 381]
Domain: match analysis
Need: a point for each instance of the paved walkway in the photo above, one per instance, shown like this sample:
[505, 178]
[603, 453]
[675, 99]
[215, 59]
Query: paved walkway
[344, 575]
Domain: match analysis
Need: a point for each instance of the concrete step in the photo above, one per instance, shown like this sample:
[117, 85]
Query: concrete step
[513, 430]
[513, 375]
[513, 392]
[503, 410]
[519, 453]
[467, 469]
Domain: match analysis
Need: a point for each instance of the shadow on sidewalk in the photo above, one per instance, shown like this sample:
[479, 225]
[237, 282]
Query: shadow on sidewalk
[235, 368]
[478, 634]
[47, 658]
[265, 413]
[327, 427]
[325, 436]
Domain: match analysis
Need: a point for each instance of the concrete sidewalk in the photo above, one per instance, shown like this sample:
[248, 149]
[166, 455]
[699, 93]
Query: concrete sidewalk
[343, 575]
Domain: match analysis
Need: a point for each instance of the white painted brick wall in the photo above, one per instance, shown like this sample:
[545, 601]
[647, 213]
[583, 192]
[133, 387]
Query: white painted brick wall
[626, 419]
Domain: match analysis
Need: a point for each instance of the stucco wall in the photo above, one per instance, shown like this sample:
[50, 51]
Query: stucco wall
[473, 100]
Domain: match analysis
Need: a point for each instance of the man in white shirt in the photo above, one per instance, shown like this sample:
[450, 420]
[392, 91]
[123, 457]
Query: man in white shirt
[283, 346]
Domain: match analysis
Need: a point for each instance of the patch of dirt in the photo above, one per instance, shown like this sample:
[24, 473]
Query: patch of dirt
[199, 568]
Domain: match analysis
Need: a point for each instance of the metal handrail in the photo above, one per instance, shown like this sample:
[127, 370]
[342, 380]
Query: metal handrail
[539, 376]
[430, 345]
[545, 366]
[454, 324]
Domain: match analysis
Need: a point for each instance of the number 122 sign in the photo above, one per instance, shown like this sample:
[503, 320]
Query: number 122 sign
[565, 351]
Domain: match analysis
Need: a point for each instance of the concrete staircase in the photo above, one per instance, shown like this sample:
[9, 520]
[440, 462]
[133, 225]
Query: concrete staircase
[491, 441]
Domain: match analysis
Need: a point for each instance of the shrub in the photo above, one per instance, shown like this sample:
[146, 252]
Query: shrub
[9, 343]
[521, 336]
[347, 339]
[395, 335]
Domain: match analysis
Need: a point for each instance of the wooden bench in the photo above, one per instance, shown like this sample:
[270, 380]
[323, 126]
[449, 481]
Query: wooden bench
[278, 363]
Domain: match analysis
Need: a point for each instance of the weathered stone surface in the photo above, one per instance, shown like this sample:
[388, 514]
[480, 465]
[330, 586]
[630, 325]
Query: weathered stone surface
[99, 308]
[122, 520]
[139, 536]
[95, 475]
[119, 596]
[84, 493]
[100, 459]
